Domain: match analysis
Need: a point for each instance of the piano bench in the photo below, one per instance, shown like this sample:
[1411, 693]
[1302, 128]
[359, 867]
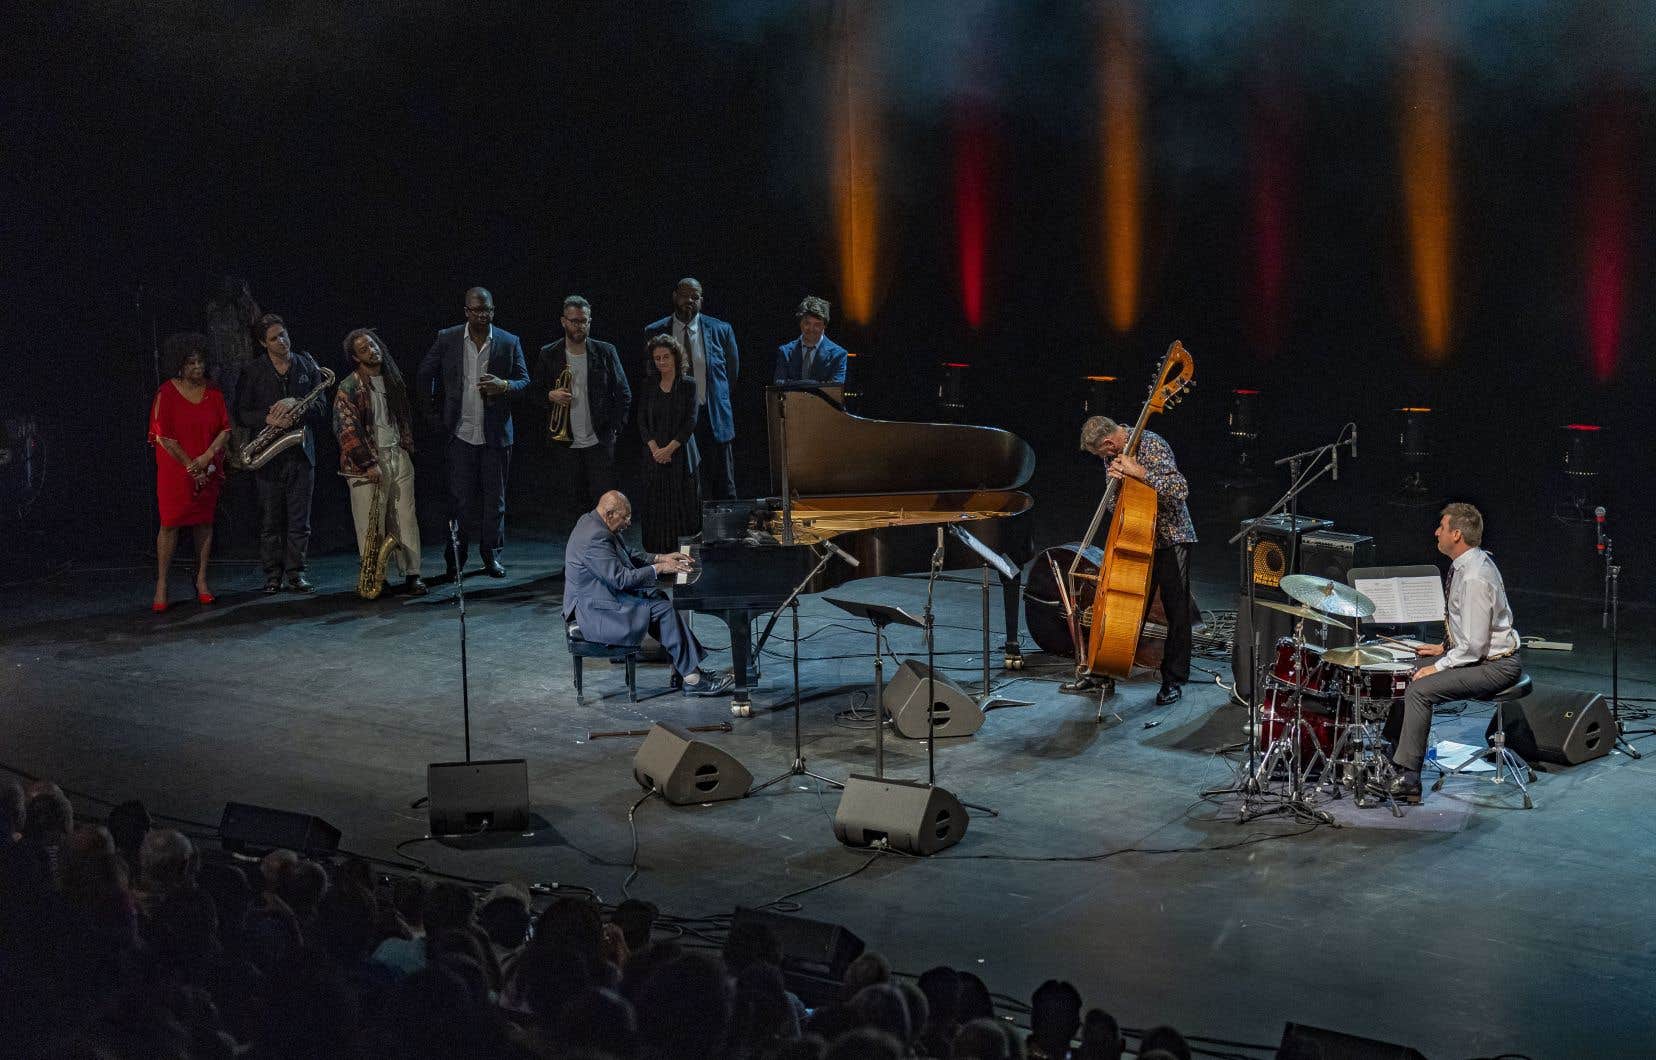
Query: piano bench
[580, 648]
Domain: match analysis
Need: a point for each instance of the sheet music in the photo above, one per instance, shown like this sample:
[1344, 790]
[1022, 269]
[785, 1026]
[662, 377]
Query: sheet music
[1403, 601]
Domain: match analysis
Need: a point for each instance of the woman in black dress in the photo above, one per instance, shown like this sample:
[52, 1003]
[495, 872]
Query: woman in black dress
[667, 423]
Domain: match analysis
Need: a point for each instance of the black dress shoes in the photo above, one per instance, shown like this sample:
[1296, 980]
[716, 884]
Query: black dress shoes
[1404, 787]
[710, 684]
[272, 585]
[493, 569]
[1170, 693]
[296, 583]
[415, 585]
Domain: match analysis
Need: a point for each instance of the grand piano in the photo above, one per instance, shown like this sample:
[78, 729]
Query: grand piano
[877, 489]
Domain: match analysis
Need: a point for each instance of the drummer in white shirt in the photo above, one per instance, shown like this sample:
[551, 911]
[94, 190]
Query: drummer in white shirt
[1479, 655]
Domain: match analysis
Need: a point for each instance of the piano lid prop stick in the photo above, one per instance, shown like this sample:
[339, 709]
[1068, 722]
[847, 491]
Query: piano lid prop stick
[723, 726]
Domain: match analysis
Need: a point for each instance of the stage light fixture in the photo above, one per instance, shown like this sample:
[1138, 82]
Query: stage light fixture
[1097, 395]
[951, 392]
[1414, 447]
[1580, 470]
[1242, 425]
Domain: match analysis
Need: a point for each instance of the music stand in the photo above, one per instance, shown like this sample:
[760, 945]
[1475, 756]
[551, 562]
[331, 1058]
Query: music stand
[881, 616]
[1005, 569]
[792, 602]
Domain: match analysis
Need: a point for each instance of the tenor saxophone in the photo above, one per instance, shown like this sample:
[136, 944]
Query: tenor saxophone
[377, 546]
[274, 440]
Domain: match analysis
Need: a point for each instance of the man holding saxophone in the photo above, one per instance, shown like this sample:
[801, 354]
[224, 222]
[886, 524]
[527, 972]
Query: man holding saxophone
[588, 399]
[374, 424]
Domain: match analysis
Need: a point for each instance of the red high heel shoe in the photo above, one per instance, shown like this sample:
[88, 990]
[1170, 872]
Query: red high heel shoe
[158, 608]
[205, 598]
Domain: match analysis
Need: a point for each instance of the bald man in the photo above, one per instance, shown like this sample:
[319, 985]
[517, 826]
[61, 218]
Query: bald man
[610, 593]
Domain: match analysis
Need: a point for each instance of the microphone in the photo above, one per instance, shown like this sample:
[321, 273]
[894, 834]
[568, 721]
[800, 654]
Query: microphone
[1334, 455]
[937, 554]
[1354, 441]
[842, 554]
[1598, 521]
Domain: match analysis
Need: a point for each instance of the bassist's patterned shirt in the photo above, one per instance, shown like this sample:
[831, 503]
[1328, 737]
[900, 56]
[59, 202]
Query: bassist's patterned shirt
[1162, 474]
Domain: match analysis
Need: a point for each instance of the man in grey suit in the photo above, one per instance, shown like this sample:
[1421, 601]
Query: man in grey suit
[610, 593]
[468, 377]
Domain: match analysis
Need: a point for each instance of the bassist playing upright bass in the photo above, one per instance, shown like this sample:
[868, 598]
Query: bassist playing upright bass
[1153, 464]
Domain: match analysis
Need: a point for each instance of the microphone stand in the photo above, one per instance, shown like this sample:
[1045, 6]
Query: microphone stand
[1251, 787]
[931, 664]
[460, 591]
[798, 768]
[1611, 619]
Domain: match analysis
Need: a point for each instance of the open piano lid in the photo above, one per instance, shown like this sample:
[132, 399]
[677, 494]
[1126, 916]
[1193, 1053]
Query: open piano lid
[830, 452]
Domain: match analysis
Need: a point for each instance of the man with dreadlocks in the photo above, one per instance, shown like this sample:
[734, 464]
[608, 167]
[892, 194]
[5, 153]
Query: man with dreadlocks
[371, 417]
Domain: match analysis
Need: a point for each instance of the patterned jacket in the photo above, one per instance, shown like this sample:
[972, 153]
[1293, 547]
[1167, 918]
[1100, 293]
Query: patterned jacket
[353, 423]
[1162, 474]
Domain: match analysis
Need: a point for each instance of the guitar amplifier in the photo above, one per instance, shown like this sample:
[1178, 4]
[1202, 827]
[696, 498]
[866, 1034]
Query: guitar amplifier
[1332, 555]
[1265, 561]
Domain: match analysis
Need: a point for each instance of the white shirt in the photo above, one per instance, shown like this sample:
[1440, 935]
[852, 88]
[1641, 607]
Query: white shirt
[385, 431]
[1478, 618]
[581, 433]
[475, 359]
[690, 335]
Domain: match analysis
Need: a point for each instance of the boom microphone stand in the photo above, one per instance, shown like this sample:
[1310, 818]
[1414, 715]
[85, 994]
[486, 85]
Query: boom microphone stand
[1251, 787]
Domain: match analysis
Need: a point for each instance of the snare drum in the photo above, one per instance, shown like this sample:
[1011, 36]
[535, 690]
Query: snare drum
[1374, 688]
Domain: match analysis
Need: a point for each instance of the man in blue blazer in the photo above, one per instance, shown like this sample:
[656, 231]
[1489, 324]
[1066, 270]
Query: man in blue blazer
[610, 593]
[468, 377]
[714, 364]
[813, 357]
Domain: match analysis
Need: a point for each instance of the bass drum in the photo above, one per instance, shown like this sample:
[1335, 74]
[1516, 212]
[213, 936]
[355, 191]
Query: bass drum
[1044, 604]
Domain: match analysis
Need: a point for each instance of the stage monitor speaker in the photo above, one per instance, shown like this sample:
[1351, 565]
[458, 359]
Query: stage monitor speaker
[471, 797]
[954, 711]
[257, 830]
[815, 954]
[909, 816]
[1559, 725]
[687, 771]
[1331, 555]
[1300, 1042]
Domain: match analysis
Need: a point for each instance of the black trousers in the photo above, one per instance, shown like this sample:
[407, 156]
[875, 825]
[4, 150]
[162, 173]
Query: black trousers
[586, 474]
[1170, 573]
[284, 487]
[1411, 723]
[718, 464]
[477, 496]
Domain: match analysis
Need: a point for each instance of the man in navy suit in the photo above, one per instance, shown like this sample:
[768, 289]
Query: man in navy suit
[610, 593]
[813, 357]
[469, 375]
[714, 364]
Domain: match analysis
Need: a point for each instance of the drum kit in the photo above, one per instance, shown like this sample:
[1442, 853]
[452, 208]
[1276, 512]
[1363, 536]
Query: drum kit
[1322, 710]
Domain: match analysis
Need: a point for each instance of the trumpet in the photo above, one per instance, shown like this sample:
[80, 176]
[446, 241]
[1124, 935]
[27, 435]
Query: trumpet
[557, 425]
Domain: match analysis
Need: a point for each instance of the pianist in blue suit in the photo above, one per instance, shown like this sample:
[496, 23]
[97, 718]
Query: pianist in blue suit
[610, 593]
[813, 357]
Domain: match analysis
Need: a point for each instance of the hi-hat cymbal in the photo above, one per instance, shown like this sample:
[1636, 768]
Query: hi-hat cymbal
[1359, 656]
[1329, 597]
[1301, 611]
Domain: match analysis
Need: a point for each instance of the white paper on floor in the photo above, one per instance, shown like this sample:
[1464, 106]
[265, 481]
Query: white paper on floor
[1451, 754]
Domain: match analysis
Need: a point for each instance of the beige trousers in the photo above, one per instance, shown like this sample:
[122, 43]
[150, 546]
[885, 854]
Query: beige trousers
[397, 473]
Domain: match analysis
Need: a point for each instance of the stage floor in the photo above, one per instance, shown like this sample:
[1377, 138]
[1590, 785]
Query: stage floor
[1469, 927]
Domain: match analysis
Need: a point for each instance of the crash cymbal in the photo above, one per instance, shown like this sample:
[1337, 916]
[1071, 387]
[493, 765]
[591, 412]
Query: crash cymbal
[1364, 655]
[1301, 611]
[1329, 597]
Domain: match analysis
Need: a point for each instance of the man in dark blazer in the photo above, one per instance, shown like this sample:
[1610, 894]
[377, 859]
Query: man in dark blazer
[714, 364]
[813, 357]
[468, 377]
[610, 593]
[597, 398]
[268, 391]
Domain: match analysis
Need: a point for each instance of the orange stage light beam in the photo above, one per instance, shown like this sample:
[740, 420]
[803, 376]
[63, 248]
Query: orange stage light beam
[856, 147]
[1428, 191]
[1121, 142]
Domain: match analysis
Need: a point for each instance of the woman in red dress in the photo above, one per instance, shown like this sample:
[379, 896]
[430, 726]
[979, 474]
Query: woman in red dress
[189, 426]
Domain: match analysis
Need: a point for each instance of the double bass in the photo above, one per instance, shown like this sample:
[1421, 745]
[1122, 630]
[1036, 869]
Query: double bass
[1119, 597]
